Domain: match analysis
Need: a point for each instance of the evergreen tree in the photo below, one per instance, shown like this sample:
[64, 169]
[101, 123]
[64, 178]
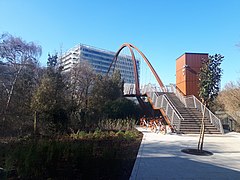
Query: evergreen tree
[52, 60]
[121, 108]
[209, 86]
[106, 89]
[210, 78]
[49, 99]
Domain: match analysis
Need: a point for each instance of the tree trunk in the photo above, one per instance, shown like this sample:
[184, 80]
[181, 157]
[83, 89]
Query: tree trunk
[35, 123]
[202, 131]
[11, 93]
[86, 98]
[202, 140]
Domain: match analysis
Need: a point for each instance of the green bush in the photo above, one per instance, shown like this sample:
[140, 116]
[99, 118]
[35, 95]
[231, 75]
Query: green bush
[98, 133]
[78, 135]
[129, 135]
[32, 159]
[121, 108]
[120, 134]
[117, 124]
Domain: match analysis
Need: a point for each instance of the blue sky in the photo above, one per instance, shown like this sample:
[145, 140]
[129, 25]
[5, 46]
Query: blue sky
[163, 30]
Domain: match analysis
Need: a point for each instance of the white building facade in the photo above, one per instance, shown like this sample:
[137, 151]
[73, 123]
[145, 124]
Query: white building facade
[100, 61]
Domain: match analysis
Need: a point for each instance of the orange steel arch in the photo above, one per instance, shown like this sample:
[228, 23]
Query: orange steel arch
[130, 46]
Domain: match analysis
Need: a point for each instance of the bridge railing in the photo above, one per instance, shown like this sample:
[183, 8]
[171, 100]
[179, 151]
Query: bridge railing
[129, 89]
[150, 87]
[162, 101]
[192, 102]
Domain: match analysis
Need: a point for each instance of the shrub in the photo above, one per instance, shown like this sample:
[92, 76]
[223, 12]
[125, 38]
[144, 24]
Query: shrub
[78, 135]
[120, 134]
[117, 124]
[70, 159]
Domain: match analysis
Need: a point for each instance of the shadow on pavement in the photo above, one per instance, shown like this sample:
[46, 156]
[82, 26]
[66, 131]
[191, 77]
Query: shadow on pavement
[180, 168]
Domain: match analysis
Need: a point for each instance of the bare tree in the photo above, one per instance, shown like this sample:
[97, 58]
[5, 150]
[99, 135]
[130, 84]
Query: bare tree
[16, 54]
[81, 79]
[229, 97]
[79, 82]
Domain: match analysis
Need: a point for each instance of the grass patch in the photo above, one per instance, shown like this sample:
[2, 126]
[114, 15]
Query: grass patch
[81, 155]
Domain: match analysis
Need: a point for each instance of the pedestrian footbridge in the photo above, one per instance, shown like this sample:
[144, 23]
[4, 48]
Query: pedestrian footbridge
[182, 113]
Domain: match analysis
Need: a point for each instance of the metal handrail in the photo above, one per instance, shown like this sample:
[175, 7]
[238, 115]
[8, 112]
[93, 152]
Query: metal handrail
[192, 102]
[169, 88]
[180, 97]
[169, 101]
[212, 117]
[162, 101]
[172, 113]
[174, 107]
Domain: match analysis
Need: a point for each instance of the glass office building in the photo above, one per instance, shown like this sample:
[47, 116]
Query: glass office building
[100, 61]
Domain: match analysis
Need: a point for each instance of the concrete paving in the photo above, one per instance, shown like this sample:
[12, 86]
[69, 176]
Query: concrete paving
[160, 157]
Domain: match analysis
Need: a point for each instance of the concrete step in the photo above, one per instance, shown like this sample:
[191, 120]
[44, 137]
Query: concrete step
[195, 122]
[192, 117]
[194, 132]
[207, 128]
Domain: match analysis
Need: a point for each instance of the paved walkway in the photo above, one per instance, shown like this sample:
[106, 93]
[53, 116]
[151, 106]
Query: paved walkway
[160, 157]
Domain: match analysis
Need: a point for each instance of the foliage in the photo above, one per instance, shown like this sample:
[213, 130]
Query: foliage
[105, 89]
[104, 140]
[49, 99]
[52, 60]
[117, 124]
[109, 128]
[121, 108]
[18, 77]
[15, 51]
[229, 100]
[107, 158]
[80, 80]
[79, 83]
[210, 77]
[209, 85]
[78, 135]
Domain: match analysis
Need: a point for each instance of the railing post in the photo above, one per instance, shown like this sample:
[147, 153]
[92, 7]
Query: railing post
[221, 128]
[210, 116]
[201, 107]
[194, 100]
[179, 124]
[153, 98]
[172, 116]
[162, 102]
[198, 105]
[167, 109]
[157, 103]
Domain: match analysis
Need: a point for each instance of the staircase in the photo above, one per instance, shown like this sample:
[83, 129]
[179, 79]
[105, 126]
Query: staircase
[183, 113]
[192, 118]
